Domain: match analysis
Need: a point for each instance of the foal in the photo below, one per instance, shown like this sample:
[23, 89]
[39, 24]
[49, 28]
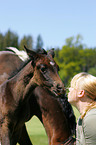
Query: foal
[15, 93]
[50, 111]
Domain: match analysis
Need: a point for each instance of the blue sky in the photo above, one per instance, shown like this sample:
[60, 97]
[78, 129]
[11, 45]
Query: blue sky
[54, 20]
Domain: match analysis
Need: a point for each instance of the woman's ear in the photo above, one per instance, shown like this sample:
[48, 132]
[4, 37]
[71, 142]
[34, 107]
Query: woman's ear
[81, 93]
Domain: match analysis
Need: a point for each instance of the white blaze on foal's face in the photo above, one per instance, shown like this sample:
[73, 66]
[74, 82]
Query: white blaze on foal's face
[52, 63]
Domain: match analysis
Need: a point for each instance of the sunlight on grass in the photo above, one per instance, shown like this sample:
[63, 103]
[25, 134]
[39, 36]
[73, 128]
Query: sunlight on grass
[76, 112]
[37, 132]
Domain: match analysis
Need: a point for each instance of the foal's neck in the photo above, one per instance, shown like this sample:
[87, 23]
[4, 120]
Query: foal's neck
[22, 83]
[56, 124]
[53, 117]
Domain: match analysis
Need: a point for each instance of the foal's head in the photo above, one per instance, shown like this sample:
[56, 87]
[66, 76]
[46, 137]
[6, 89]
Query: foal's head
[46, 70]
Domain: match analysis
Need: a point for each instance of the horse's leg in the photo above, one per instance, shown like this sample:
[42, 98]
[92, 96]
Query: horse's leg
[4, 132]
[24, 139]
[5, 140]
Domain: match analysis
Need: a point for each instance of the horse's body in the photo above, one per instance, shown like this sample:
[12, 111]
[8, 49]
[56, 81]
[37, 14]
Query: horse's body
[28, 93]
[9, 61]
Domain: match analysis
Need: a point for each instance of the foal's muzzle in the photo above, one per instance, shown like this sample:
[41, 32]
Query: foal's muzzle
[58, 90]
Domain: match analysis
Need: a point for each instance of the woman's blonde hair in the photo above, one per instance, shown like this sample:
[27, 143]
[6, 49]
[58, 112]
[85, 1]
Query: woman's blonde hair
[87, 82]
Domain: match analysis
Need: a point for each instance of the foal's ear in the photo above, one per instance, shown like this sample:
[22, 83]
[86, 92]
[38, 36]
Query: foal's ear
[51, 52]
[33, 55]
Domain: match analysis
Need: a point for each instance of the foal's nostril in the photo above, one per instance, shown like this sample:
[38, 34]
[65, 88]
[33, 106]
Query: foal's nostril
[59, 88]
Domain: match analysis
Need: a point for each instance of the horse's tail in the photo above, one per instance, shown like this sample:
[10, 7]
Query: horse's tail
[22, 54]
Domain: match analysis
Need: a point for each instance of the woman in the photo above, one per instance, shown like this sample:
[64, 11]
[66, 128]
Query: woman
[82, 94]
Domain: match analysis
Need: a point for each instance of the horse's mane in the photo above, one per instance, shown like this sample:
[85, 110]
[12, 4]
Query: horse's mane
[68, 111]
[21, 53]
[4, 52]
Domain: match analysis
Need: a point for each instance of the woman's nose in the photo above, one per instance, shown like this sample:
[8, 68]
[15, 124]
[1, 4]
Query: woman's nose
[70, 89]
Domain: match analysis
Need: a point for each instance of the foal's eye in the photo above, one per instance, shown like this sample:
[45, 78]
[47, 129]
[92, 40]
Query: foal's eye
[43, 68]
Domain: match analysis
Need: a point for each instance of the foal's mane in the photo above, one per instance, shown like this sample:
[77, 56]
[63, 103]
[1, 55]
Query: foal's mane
[68, 111]
[20, 68]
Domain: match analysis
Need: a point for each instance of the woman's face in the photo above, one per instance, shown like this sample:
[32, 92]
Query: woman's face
[72, 96]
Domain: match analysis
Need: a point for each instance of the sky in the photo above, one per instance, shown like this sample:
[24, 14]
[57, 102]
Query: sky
[54, 20]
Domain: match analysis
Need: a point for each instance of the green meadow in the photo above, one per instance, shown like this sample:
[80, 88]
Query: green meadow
[37, 132]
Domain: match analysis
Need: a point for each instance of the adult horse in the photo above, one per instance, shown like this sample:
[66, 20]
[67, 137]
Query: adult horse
[33, 102]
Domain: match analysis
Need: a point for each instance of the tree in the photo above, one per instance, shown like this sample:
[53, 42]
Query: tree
[92, 71]
[1, 41]
[69, 63]
[39, 43]
[75, 41]
[10, 39]
[27, 41]
[74, 58]
[69, 41]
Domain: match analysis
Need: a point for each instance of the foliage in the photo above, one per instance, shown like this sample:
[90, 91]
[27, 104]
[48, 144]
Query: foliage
[11, 39]
[27, 41]
[92, 71]
[1, 41]
[39, 42]
[74, 58]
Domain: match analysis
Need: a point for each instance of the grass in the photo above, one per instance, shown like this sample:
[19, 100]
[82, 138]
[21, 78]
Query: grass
[76, 112]
[37, 132]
